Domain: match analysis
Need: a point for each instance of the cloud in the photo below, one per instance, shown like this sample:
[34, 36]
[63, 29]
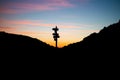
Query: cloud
[34, 23]
[7, 29]
[23, 7]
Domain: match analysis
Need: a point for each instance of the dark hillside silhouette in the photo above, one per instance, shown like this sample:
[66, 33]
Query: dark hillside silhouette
[96, 49]
[107, 40]
[21, 43]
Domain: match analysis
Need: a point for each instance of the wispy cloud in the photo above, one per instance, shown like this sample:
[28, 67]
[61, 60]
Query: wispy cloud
[34, 23]
[7, 29]
[43, 5]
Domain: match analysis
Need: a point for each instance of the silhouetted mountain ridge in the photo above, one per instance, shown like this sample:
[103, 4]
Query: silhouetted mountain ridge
[102, 48]
[107, 39]
[15, 41]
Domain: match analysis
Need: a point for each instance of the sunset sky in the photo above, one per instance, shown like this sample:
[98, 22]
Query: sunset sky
[75, 19]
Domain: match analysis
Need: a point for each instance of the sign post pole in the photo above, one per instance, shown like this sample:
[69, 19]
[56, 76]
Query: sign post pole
[55, 35]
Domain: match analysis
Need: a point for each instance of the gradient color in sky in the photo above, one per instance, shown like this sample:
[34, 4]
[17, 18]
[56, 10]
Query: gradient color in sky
[75, 19]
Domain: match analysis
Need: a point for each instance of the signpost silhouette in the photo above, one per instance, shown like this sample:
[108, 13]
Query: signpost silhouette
[55, 35]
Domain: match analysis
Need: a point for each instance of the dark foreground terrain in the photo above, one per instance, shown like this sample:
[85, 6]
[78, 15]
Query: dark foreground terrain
[97, 53]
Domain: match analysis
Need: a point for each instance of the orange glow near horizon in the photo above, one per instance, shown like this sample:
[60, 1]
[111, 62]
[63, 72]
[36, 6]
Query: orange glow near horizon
[66, 37]
[32, 28]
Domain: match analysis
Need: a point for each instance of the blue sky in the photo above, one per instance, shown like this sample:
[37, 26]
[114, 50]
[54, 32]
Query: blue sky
[76, 19]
